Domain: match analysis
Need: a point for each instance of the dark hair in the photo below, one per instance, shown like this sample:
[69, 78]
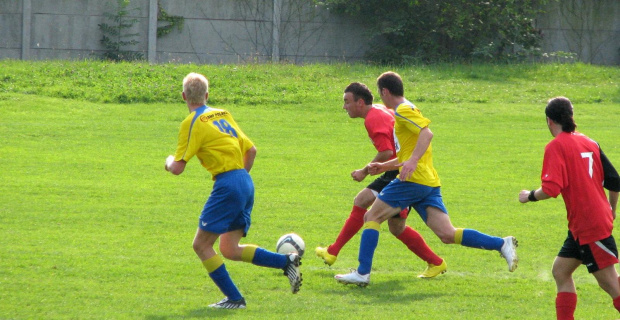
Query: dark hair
[560, 110]
[360, 91]
[391, 81]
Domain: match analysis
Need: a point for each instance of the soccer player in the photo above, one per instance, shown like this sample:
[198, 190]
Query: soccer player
[213, 136]
[576, 167]
[379, 123]
[417, 185]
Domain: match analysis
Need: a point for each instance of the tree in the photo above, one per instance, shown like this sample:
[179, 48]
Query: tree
[433, 30]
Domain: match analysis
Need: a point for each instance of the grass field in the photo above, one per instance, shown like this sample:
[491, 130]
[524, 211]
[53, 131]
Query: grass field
[92, 227]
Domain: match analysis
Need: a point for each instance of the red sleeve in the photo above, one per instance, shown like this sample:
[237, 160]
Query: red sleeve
[381, 131]
[554, 170]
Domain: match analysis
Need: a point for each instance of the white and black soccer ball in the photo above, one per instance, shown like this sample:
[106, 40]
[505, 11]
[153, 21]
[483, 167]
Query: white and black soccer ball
[291, 243]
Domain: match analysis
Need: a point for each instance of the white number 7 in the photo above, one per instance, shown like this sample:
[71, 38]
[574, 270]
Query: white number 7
[590, 161]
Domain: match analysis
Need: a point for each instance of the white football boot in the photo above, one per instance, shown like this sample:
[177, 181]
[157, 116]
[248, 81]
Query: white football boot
[354, 277]
[291, 270]
[509, 252]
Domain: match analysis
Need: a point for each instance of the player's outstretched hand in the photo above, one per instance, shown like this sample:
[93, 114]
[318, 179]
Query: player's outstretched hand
[169, 162]
[359, 175]
[375, 168]
[408, 168]
[523, 196]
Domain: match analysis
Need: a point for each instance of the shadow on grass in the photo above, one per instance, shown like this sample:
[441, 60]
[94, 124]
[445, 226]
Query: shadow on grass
[196, 314]
[387, 291]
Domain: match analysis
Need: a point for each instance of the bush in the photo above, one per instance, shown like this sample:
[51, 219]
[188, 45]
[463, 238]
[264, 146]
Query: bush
[447, 30]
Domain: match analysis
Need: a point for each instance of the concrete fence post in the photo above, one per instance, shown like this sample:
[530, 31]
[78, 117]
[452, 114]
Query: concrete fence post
[26, 28]
[275, 44]
[152, 37]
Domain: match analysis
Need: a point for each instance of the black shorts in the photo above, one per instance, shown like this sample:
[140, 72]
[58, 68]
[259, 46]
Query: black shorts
[595, 256]
[383, 180]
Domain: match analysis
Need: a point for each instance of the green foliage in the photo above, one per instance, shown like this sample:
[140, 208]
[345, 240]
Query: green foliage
[124, 82]
[447, 30]
[94, 228]
[169, 22]
[117, 35]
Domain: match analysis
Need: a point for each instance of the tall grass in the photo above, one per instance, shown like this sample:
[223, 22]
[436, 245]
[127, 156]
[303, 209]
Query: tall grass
[252, 84]
[92, 227]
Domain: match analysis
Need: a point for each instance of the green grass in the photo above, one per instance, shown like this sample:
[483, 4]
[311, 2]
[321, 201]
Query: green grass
[92, 227]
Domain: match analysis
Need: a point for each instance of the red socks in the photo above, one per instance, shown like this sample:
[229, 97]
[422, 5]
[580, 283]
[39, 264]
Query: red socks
[414, 241]
[353, 224]
[617, 303]
[565, 304]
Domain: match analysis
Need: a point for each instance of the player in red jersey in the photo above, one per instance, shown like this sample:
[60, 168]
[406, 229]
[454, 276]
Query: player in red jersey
[575, 167]
[379, 123]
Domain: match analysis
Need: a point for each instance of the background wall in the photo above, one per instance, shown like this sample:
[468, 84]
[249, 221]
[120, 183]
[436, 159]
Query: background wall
[588, 28]
[223, 31]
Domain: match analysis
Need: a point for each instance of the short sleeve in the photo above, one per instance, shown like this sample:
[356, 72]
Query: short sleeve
[411, 117]
[553, 171]
[187, 144]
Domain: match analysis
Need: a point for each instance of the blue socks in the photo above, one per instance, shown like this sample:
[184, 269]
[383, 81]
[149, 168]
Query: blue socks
[222, 279]
[370, 239]
[475, 239]
[270, 259]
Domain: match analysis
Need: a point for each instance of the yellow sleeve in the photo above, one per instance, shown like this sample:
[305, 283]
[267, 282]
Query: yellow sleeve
[187, 145]
[411, 117]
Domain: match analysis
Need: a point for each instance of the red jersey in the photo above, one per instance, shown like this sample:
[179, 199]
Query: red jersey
[379, 123]
[572, 166]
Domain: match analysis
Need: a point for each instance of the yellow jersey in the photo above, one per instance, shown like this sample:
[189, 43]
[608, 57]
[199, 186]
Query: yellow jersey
[407, 125]
[214, 137]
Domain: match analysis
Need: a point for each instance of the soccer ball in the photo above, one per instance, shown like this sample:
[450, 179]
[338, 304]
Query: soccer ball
[291, 243]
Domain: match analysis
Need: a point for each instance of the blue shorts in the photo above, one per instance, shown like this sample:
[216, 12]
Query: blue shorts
[405, 194]
[230, 204]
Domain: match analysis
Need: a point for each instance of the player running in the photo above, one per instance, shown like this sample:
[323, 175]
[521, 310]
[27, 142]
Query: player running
[418, 185]
[227, 153]
[379, 123]
[576, 167]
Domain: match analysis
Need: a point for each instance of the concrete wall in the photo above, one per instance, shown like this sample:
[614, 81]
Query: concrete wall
[215, 31]
[588, 28]
[226, 31]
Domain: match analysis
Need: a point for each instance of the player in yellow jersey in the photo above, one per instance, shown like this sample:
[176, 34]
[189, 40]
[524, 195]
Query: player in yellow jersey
[213, 136]
[379, 123]
[417, 185]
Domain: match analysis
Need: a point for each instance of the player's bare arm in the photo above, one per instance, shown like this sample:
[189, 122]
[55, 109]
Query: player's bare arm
[409, 166]
[360, 174]
[174, 167]
[613, 201]
[533, 195]
[248, 159]
[376, 168]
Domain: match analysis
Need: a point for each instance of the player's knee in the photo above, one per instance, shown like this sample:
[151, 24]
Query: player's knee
[231, 252]
[445, 237]
[396, 228]
[361, 202]
[558, 275]
[199, 247]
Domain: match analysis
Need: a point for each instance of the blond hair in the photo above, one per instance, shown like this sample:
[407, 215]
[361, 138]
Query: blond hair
[195, 87]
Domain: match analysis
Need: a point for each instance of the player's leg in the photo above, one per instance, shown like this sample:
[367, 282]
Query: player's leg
[601, 258]
[566, 298]
[203, 246]
[351, 226]
[415, 242]
[379, 212]
[607, 279]
[433, 208]
[231, 249]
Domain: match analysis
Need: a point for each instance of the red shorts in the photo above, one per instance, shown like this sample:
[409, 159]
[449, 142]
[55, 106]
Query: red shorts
[595, 256]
